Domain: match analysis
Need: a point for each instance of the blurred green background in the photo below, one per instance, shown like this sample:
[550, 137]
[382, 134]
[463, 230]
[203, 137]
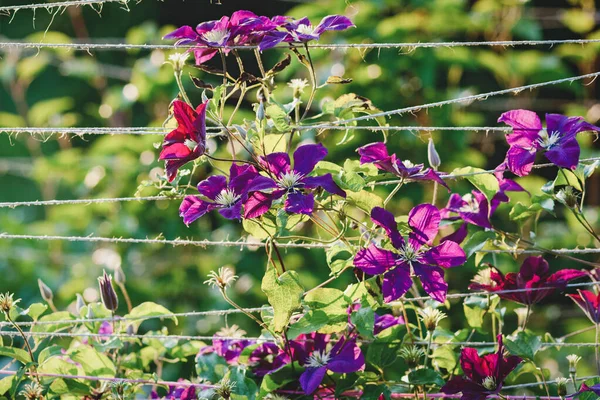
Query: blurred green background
[59, 88]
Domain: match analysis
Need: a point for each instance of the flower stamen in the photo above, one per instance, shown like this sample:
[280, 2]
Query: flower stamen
[318, 359]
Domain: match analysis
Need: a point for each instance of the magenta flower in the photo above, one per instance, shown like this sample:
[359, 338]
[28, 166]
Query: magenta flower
[416, 256]
[557, 141]
[484, 376]
[382, 322]
[177, 393]
[344, 357]
[589, 302]
[472, 208]
[377, 153]
[226, 197]
[293, 183]
[188, 141]
[303, 31]
[585, 388]
[534, 274]
[267, 358]
[227, 343]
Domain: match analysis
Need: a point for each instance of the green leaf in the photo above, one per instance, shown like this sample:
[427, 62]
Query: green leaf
[211, 367]
[148, 309]
[93, 362]
[16, 354]
[525, 345]
[277, 379]
[425, 376]
[475, 309]
[485, 182]
[284, 294]
[477, 241]
[245, 388]
[6, 384]
[329, 300]
[364, 200]
[338, 257]
[279, 117]
[57, 316]
[445, 357]
[383, 351]
[372, 392]
[311, 321]
[364, 320]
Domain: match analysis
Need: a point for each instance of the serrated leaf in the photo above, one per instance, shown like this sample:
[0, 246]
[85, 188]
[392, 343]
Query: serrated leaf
[284, 293]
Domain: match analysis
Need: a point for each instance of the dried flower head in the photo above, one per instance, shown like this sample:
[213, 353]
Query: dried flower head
[431, 317]
[225, 388]
[298, 86]
[412, 355]
[7, 302]
[568, 196]
[232, 331]
[45, 291]
[561, 386]
[107, 292]
[573, 359]
[221, 279]
[32, 391]
[177, 60]
[484, 277]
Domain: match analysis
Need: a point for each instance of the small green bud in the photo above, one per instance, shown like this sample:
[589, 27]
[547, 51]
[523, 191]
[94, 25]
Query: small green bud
[45, 291]
[80, 303]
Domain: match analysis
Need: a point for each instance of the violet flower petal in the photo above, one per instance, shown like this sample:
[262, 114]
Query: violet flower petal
[432, 280]
[307, 156]
[396, 283]
[300, 203]
[424, 220]
[326, 182]
[374, 260]
[311, 378]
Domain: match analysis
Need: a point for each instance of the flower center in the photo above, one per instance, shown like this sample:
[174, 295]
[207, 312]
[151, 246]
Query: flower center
[290, 180]
[305, 29]
[191, 144]
[546, 140]
[227, 198]
[217, 36]
[318, 359]
[408, 254]
[471, 206]
[489, 383]
[408, 164]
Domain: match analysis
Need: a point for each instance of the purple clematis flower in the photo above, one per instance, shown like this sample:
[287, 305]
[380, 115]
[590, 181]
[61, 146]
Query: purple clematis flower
[344, 357]
[267, 358]
[290, 182]
[227, 345]
[177, 393]
[484, 376]
[382, 322]
[417, 256]
[585, 388]
[589, 302]
[303, 31]
[188, 141]
[534, 274]
[377, 153]
[558, 140]
[226, 197]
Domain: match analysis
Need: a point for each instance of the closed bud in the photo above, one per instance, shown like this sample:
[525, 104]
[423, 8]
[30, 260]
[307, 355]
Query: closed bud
[80, 303]
[432, 155]
[119, 276]
[107, 292]
[561, 386]
[130, 330]
[260, 111]
[90, 313]
[45, 291]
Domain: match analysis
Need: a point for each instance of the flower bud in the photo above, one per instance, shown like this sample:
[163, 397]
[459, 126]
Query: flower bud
[521, 315]
[432, 155]
[561, 386]
[45, 291]
[119, 276]
[107, 292]
[260, 111]
[90, 313]
[573, 359]
[80, 303]
[177, 60]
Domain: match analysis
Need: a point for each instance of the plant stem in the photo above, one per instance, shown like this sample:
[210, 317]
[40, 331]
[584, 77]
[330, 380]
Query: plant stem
[126, 296]
[392, 193]
[313, 80]
[223, 95]
[181, 88]
[598, 347]
[249, 315]
[526, 317]
[27, 345]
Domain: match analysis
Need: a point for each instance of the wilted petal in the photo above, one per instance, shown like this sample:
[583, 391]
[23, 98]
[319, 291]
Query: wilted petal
[307, 156]
[424, 220]
[520, 160]
[311, 378]
[300, 203]
[374, 261]
[396, 283]
[277, 163]
[324, 181]
[526, 126]
[334, 23]
[349, 359]
[385, 219]
[448, 254]
[212, 186]
[565, 154]
[432, 280]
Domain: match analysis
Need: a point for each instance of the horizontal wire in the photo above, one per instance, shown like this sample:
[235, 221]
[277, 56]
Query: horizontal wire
[15, 204]
[241, 243]
[481, 96]
[330, 46]
[8, 9]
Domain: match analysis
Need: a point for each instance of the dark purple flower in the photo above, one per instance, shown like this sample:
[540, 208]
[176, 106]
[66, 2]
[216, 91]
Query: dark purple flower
[177, 393]
[585, 388]
[417, 256]
[472, 208]
[483, 376]
[290, 182]
[188, 141]
[228, 343]
[226, 197]
[318, 358]
[377, 153]
[589, 302]
[303, 31]
[534, 274]
[267, 358]
[558, 140]
[382, 322]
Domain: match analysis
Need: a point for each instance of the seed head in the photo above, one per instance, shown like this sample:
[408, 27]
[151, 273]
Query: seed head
[32, 391]
[7, 302]
[45, 291]
[107, 292]
[221, 279]
[484, 277]
[232, 331]
[177, 60]
[561, 386]
[412, 355]
[298, 86]
[573, 359]
[431, 317]
[225, 388]
[568, 196]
